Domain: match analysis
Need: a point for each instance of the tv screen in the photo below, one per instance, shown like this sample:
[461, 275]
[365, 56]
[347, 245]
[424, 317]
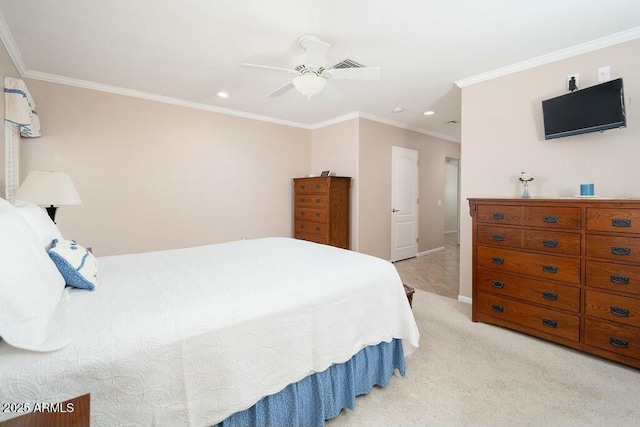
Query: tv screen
[593, 109]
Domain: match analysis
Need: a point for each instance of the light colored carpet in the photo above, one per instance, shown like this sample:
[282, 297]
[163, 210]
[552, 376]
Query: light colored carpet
[474, 374]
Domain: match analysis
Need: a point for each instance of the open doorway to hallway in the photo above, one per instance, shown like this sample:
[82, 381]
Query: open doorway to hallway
[452, 197]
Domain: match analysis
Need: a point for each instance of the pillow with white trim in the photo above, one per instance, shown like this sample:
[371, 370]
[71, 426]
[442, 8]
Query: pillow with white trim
[33, 300]
[39, 220]
[77, 265]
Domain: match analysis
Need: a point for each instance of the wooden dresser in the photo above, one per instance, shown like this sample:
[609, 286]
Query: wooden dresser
[566, 270]
[321, 210]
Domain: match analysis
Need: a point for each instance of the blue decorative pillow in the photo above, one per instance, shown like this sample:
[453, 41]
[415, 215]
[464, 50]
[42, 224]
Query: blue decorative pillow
[77, 265]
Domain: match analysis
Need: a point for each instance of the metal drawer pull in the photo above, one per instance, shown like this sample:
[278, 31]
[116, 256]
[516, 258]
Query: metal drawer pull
[550, 296]
[620, 280]
[622, 312]
[302, 213]
[317, 200]
[317, 214]
[302, 186]
[550, 219]
[317, 186]
[317, 228]
[617, 342]
[497, 260]
[498, 237]
[302, 200]
[550, 268]
[496, 284]
[617, 222]
[617, 250]
[302, 225]
[550, 323]
[497, 308]
[550, 243]
[497, 215]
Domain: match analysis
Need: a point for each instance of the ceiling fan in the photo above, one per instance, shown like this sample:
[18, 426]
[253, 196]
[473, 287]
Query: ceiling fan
[312, 72]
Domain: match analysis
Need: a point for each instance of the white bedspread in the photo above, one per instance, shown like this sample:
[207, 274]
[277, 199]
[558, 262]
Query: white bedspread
[188, 337]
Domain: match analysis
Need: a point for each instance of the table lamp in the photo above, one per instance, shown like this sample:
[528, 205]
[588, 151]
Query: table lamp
[49, 189]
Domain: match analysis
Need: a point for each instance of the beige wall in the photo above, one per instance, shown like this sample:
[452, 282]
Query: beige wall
[155, 176]
[376, 140]
[502, 135]
[335, 148]
[6, 69]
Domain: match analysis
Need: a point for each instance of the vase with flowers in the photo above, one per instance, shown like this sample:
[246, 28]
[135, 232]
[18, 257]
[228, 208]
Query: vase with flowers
[525, 179]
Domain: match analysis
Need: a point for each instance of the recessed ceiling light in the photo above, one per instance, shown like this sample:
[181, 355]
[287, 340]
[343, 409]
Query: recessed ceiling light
[397, 110]
[223, 94]
[429, 113]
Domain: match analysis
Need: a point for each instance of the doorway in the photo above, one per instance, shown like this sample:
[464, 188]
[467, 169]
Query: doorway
[404, 203]
[451, 199]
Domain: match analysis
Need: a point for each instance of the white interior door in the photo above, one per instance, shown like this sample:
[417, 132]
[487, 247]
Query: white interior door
[404, 203]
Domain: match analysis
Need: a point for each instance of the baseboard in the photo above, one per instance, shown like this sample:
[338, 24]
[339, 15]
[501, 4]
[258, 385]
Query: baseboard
[465, 300]
[430, 251]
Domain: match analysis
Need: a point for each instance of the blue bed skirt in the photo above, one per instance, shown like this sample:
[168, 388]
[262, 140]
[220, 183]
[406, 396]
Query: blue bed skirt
[321, 396]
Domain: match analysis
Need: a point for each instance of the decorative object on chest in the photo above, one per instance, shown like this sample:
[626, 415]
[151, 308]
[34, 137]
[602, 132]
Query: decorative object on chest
[560, 269]
[322, 210]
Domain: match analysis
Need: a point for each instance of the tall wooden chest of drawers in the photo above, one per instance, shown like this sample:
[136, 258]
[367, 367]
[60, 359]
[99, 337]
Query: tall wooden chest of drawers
[322, 210]
[566, 270]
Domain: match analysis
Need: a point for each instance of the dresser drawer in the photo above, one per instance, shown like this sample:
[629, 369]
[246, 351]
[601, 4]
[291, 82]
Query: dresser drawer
[538, 291]
[553, 217]
[312, 200]
[312, 238]
[542, 319]
[612, 337]
[612, 307]
[497, 214]
[615, 277]
[310, 214]
[312, 227]
[552, 241]
[500, 236]
[619, 248]
[617, 220]
[320, 185]
[549, 267]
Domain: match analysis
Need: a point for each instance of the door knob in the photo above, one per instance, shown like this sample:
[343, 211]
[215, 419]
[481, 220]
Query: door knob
[395, 210]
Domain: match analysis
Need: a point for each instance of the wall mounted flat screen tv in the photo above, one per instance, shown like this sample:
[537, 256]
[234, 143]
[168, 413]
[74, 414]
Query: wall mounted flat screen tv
[593, 109]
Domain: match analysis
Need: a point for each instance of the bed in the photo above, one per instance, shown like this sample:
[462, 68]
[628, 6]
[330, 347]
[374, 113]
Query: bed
[216, 334]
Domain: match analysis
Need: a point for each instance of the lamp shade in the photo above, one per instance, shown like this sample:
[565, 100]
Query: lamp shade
[48, 189]
[309, 84]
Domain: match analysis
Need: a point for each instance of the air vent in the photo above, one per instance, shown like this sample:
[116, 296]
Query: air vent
[348, 63]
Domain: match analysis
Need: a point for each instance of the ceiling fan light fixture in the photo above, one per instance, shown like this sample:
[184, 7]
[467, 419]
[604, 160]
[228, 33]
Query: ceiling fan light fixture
[309, 84]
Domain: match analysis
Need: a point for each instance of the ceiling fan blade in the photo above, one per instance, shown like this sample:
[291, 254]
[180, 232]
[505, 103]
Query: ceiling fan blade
[363, 73]
[331, 93]
[280, 90]
[315, 51]
[266, 67]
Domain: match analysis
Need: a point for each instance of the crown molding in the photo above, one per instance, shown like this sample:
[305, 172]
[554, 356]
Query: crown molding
[621, 37]
[53, 78]
[11, 46]
[405, 126]
[335, 120]
[361, 115]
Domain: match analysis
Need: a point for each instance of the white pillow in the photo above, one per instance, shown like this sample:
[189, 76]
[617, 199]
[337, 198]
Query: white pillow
[33, 299]
[39, 220]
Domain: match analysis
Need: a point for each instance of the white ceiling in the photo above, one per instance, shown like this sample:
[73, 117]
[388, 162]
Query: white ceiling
[188, 50]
